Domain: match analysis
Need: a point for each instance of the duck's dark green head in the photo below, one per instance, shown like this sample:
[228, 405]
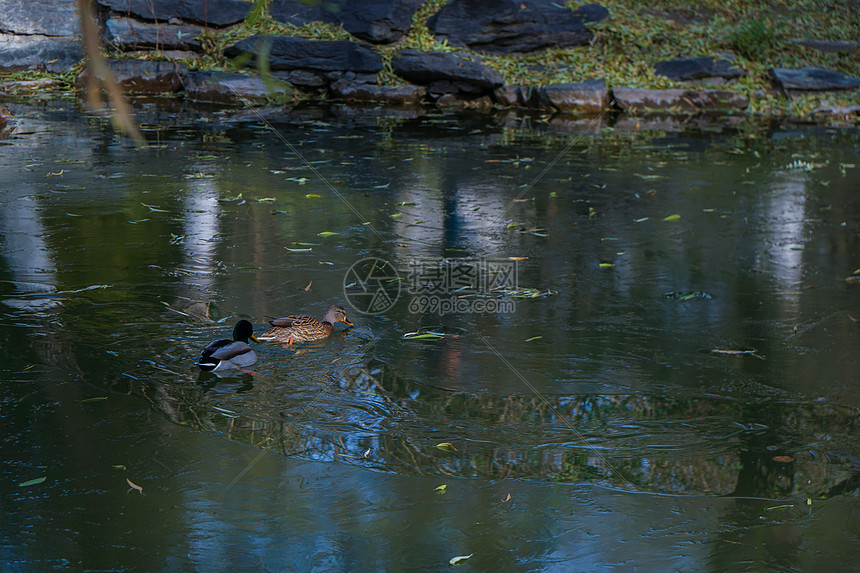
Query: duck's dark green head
[243, 331]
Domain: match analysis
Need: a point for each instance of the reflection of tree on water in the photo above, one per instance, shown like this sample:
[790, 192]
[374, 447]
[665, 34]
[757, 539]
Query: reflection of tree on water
[372, 416]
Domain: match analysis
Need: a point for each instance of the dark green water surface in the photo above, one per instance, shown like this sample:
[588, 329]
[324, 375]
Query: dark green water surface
[669, 379]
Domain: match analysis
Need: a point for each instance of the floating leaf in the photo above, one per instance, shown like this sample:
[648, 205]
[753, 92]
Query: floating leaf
[424, 335]
[459, 559]
[783, 459]
[138, 221]
[57, 174]
[118, 467]
[396, 215]
[312, 196]
[134, 485]
[307, 288]
[93, 399]
[298, 250]
[685, 295]
[326, 234]
[775, 507]
[441, 489]
[533, 338]
[507, 499]
[674, 217]
[266, 199]
[446, 447]
[606, 265]
[32, 482]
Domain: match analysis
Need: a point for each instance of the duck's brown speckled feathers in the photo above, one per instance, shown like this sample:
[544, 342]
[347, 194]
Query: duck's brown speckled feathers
[301, 328]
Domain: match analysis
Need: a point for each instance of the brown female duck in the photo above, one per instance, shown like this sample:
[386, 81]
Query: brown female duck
[4, 113]
[301, 328]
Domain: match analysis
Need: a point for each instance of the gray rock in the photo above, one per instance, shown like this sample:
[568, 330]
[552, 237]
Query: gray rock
[590, 96]
[466, 72]
[636, 99]
[514, 26]
[377, 21]
[812, 80]
[224, 87]
[144, 76]
[128, 34]
[353, 91]
[847, 113]
[686, 69]
[54, 54]
[289, 53]
[44, 17]
[217, 13]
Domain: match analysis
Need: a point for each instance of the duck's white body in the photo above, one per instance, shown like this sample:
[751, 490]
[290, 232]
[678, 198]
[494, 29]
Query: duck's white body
[226, 354]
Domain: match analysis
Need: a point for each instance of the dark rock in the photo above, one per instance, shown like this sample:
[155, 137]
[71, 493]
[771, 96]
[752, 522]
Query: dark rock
[352, 76]
[145, 76]
[511, 26]
[686, 69]
[678, 100]
[125, 34]
[45, 17]
[352, 91]
[467, 72]
[217, 13]
[302, 78]
[515, 96]
[377, 21]
[829, 45]
[450, 101]
[590, 96]
[53, 54]
[289, 53]
[223, 87]
[812, 79]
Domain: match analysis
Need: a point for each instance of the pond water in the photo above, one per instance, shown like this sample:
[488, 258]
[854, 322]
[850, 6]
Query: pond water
[637, 343]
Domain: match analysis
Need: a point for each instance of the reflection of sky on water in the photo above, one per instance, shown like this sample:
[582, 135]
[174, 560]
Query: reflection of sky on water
[200, 226]
[26, 253]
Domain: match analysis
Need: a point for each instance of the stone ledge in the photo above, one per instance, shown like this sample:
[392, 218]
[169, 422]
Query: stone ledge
[638, 99]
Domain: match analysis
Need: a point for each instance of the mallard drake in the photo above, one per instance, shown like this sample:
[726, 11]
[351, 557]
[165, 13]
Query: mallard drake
[4, 113]
[226, 354]
[301, 328]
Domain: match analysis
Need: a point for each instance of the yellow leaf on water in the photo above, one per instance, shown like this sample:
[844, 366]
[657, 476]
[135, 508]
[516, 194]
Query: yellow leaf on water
[312, 196]
[326, 234]
[307, 288]
[441, 489]
[674, 217]
[446, 447]
[459, 559]
[134, 485]
[606, 265]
